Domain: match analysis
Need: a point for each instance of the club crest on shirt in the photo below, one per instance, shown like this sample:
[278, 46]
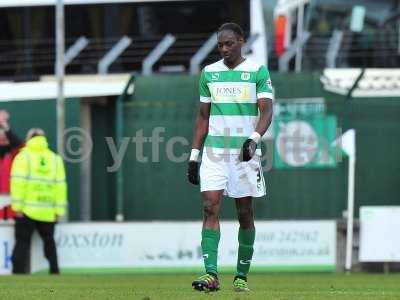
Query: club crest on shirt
[214, 76]
[245, 76]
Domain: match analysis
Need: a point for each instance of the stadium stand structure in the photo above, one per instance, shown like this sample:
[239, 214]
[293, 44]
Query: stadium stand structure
[26, 55]
[42, 54]
[41, 60]
[372, 82]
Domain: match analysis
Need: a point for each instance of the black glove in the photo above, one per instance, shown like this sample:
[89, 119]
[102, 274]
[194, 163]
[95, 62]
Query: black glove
[193, 172]
[248, 149]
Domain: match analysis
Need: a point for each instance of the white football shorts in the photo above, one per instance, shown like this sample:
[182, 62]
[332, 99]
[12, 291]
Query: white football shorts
[225, 172]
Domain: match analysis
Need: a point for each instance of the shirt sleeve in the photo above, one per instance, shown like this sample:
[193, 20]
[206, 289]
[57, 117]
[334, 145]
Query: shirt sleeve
[264, 85]
[205, 95]
[61, 188]
[18, 182]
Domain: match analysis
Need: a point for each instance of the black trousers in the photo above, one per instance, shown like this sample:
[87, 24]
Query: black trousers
[24, 228]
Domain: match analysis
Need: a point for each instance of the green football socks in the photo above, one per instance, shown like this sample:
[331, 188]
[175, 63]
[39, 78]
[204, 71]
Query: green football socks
[246, 241]
[209, 245]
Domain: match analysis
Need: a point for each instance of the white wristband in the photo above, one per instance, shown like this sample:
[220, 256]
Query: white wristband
[194, 155]
[255, 136]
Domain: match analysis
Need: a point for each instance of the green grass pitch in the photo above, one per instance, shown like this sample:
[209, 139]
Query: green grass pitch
[274, 286]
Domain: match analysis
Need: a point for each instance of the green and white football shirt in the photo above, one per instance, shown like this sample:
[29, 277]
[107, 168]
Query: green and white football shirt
[233, 95]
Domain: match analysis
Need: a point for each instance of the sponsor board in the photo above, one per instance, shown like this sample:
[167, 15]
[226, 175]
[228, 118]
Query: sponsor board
[303, 134]
[305, 142]
[379, 238]
[286, 245]
[6, 246]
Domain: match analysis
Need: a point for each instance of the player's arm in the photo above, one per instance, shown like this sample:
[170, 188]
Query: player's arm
[201, 129]
[199, 136]
[18, 182]
[265, 107]
[200, 132]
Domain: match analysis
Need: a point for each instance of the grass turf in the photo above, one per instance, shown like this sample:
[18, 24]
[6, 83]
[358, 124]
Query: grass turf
[282, 286]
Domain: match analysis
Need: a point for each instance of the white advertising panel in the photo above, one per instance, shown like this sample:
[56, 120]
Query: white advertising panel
[379, 236]
[177, 244]
[6, 246]
[279, 245]
[296, 243]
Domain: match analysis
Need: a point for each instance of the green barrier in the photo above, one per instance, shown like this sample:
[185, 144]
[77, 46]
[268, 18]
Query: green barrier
[158, 189]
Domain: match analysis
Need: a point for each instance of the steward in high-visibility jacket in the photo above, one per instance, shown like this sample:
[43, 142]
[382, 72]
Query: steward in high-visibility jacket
[38, 187]
[39, 197]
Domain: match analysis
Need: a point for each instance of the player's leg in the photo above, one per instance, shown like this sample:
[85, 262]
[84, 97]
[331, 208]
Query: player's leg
[213, 182]
[246, 236]
[210, 237]
[211, 233]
